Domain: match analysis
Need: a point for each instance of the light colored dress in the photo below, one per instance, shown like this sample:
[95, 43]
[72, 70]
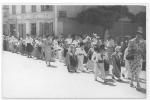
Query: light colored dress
[110, 47]
[116, 60]
[47, 49]
[136, 64]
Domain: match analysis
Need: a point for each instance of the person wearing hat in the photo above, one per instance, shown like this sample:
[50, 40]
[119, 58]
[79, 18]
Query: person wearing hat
[136, 47]
[100, 63]
[80, 52]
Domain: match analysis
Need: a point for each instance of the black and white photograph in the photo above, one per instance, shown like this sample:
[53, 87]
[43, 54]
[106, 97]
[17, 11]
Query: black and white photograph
[55, 51]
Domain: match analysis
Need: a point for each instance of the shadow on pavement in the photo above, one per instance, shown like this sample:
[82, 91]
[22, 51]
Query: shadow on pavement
[127, 82]
[142, 79]
[53, 66]
[142, 90]
[110, 84]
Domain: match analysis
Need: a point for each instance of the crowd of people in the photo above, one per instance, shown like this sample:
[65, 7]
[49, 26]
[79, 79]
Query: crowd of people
[86, 54]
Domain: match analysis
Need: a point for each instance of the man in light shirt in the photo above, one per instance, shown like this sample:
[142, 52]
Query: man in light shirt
[69, 40]
[110, 44]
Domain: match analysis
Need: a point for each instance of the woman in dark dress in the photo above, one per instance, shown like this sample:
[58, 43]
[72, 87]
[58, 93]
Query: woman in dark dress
[71, 60]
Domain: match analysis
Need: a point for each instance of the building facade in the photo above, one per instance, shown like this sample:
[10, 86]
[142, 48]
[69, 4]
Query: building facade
[40, 20]
[5, 20]
[36, 20]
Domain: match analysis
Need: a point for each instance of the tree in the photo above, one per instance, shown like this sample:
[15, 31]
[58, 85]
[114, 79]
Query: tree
[105, 16]
[140, 19]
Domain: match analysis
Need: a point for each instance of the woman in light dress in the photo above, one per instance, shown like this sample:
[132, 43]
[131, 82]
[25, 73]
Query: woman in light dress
[47, 48]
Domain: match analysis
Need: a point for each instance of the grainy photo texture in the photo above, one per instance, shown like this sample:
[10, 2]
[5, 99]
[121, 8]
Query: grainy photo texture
[74, 51]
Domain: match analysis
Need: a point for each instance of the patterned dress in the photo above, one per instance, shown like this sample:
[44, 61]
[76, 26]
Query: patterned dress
[136, 64]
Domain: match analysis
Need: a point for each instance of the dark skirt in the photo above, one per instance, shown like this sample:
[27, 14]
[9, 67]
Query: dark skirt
[73, 61]
[106, 66]
[39, 49]
[29, 47]
[4, 45]
[65, 52]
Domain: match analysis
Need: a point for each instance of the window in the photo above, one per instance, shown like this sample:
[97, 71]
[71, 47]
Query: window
[13, 9]
[23, 8]
[46, 8]
[33, 8]
[62, 14]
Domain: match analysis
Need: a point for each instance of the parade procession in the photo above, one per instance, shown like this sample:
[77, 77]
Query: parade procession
[65, 52]
[85, 53]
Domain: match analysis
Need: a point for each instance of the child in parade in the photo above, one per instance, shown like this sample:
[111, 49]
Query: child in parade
[116, 61]
[71, 60]
[90, 64]
[80, 52]
[100, 63]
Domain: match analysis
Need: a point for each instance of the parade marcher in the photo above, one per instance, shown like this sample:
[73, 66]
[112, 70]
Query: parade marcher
[136, 49]
[90, 64]
[29, 47]
[76, 41]
[59, 49]
[127, 69]
[47, 48]
[12, 49]
[65, 50]
[116, 62]
[95, 53]
[110, 46]
[43, 50]
[71, 60]
[80, 52]
[100, 63]
[124, 45]
[69, 39]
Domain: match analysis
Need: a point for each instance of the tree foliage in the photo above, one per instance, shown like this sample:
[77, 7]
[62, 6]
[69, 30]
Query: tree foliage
[104, 16]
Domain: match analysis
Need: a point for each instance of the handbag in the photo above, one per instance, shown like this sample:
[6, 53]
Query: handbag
[130, 56]
[123, 63]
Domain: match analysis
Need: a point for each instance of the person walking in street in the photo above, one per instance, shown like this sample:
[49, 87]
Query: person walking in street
[71, 60]
[29, 48]
[127, 69]
[136, 48]
[116, 62]
[110, 46]
[80, 52]
[100, 63]
[47, 49]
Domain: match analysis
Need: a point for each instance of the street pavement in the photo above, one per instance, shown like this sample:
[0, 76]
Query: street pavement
[24, 77]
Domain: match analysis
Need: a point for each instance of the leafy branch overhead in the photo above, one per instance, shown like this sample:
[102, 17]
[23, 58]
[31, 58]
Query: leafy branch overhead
[104, 16]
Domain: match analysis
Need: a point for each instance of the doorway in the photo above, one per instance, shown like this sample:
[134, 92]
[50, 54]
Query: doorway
[33, 29]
